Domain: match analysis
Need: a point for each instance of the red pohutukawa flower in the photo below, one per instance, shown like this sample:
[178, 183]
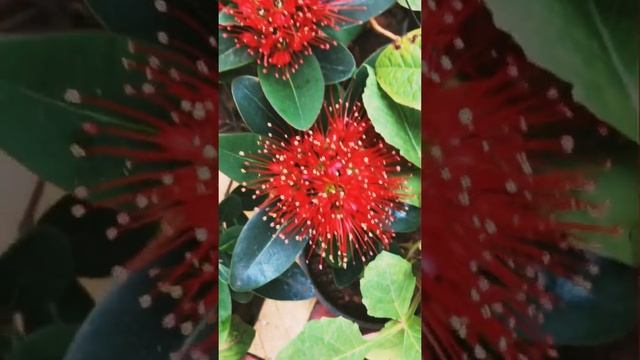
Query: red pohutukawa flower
[339, 187]
[504, 140]
[169, 161]
[282, 32]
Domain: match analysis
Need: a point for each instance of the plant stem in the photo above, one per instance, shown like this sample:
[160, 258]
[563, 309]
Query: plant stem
[379, 29]
[414, 247]
[28, 218]
[228, 190]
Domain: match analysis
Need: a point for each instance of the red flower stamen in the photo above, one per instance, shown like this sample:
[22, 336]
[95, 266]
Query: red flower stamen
[282, 32]
[337, 187]
[168, 164]
[492, 194]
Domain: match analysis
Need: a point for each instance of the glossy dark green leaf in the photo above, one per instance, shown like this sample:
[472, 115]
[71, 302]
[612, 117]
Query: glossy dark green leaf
[249, 203]
[119, 328]
[231, 56]
[36, 269]
[298, 99]
[606, 313]
[406, 220]
[254, 106]
[597, 52]
[49, 343]
[234, 151]
[346, 34]
[260, 254]
[244, 297]
[364, 10]
[344, 277]
[229, 237]
[229, 209]
[94, 254]
[143, 20]
[35, 74]
[359, 80]
[292, 285]
[337, 63]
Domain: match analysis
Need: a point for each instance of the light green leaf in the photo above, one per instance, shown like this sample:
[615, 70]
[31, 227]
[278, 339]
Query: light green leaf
[415, 5]
[593, 44]
[387, 286]
[224, 310]
[399, 70]
[238, 341]
[327, 339]
[412, 338]
[399, 125]
[389, 348]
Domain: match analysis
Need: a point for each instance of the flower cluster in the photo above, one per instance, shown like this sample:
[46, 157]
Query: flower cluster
[499, 130]
[169, 163]
[338, 187]
[282, 32]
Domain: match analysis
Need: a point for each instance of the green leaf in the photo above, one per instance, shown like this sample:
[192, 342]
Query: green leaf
[364, 10]
[249, 203]
[36, 269]
[45, 344]
[254, 107]
[229, 237]
[412, 339]
[234, 151]
[389, 348]
[260, 254]
[597, 50]
[292, 285]
[229, 209]
[406, 220]
[94, 253]
[238, 341]
[231, 56]
[224, 310]
[119, 328]
[337, 63]
[387, 286]
[399, 70]
[414, 191]
[357, 84]
[414, 5]
[346, 34]
[613, 189]
[297, 99]
[400, 126]
[35, 74]
[327, 339]
[344, 277]
[603, 314]
[143, 20]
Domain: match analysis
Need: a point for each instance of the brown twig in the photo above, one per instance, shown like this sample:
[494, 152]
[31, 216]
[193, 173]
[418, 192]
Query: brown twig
[379, 29]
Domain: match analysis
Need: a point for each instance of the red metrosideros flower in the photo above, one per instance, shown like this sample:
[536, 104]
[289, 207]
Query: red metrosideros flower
[337, 186]
[169, 163]
[282, 32]
[499, 132]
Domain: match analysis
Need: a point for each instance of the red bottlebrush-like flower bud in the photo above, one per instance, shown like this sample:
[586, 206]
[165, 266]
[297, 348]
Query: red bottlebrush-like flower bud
[282, 32]
[338, 187]
[169, 163]
[499, 133]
